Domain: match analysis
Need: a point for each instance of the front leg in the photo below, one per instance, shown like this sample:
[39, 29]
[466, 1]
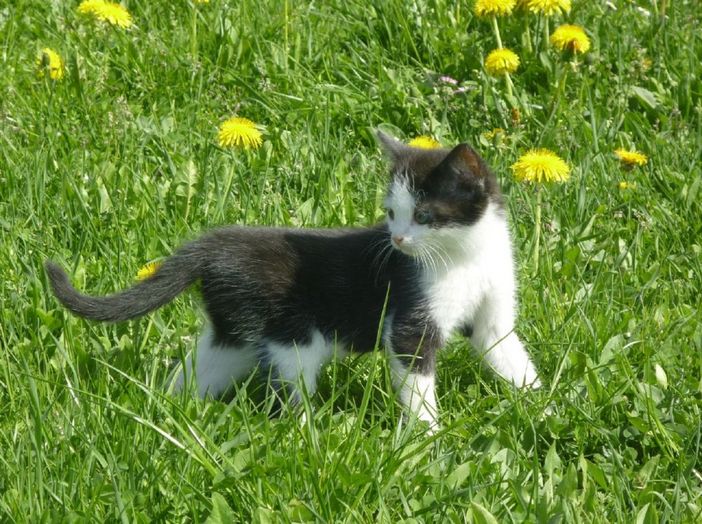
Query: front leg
[493, 337]
[412, 357]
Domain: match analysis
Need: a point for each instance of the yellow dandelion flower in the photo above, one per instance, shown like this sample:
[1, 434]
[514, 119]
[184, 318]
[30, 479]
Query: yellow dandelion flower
[541, 165]
[548, 7]
[631, 158]
[148, 270]
[240, 132]
[109, 12]
[51, 63]
[494, 7]
[495, 133]
[501, 61]
[424, 142]
[570, 38]
[202, 1]
[624, 185]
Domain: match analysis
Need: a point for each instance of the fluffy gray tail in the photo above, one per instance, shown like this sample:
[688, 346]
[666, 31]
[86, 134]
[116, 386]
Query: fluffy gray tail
[170, 280]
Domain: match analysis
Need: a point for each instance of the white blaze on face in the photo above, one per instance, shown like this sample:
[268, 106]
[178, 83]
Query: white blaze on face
[405, 233]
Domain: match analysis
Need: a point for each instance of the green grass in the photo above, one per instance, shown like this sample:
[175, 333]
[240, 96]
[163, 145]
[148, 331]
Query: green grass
[118, 163]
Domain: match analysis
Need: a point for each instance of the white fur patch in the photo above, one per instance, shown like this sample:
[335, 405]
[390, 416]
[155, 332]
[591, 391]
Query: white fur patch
[401, 201]
[216, 367]
[470, 264]
[402, 225]
[471, 282]
[300, 364]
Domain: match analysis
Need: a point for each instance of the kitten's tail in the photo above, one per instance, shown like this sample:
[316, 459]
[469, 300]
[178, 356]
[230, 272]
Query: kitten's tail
[175, 274]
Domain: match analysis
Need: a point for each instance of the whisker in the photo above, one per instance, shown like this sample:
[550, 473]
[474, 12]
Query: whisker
[439, 257]
[382, 242]
[440, 252]
[427, 255]
[381, 259]
[428, 252]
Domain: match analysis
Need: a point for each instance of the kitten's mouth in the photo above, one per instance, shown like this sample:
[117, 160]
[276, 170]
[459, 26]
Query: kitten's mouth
[404, 248]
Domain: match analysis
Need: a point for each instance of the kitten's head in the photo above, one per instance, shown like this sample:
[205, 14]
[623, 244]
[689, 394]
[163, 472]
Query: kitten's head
[435, 196]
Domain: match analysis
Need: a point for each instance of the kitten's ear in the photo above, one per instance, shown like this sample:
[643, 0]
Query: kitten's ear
[394, 149]
[464, 159]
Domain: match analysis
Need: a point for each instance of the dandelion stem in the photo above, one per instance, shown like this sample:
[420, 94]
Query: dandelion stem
[499, 105]
[526, 39]
[193, 33]
[561, 86]
[547, 34]
[556, 100]
[496, 29]
[285, 32]
[537, 232]
[226, 189]
[508, 83]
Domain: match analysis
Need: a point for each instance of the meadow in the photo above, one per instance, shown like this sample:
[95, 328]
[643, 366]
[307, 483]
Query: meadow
[116, 160]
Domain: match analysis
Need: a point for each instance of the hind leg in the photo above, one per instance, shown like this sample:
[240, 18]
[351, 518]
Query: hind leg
[216, 367]
[296, 366]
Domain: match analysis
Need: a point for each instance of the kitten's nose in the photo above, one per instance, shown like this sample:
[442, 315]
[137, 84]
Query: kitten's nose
[398, 240]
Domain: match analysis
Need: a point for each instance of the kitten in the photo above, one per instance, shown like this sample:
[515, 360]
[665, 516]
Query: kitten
[292, 299]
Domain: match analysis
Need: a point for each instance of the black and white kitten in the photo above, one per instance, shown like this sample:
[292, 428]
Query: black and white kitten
[292, 299]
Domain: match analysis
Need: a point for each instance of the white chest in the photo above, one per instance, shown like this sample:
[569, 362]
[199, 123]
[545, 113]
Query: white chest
[455, 295]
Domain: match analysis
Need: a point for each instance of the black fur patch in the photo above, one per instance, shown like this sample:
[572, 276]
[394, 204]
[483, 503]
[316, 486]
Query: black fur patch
[281, 284]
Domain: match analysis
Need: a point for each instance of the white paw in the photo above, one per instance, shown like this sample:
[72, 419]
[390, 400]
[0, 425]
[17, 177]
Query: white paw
[534, 384]
[527, 378]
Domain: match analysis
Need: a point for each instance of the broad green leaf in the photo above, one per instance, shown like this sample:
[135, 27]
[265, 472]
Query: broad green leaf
[647, 515]
[458, 475]
[645, 97]
[221, 512]
[481, 515]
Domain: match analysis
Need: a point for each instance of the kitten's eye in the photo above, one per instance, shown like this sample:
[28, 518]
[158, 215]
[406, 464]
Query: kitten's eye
[422, 217]
[391, 214]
